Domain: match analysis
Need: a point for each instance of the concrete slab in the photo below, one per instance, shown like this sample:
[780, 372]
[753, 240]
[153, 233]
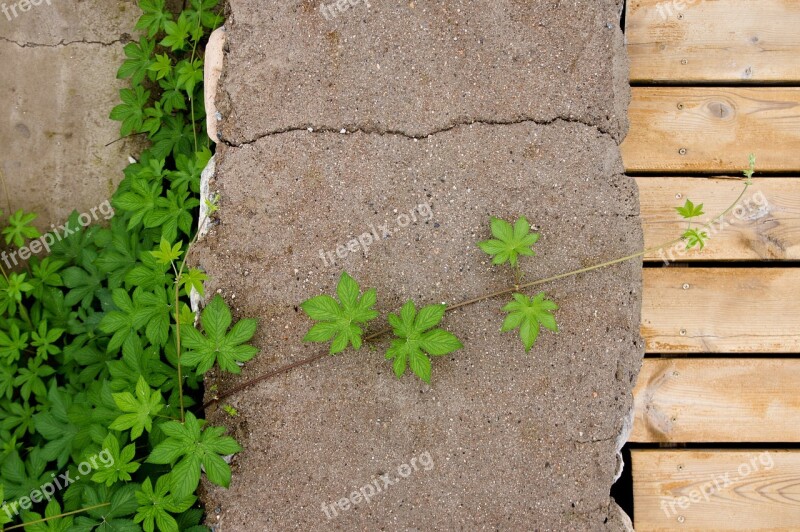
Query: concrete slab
[501, 439]
[60, 60]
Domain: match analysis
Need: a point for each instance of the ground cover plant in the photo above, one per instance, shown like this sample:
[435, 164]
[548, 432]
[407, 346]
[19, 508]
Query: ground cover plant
[100, 361]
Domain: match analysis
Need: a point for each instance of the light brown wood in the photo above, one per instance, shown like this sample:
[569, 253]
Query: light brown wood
[717, 400]
[716, 490]
[765, 225]
[701, 41]
[721, 310]
[712, 129]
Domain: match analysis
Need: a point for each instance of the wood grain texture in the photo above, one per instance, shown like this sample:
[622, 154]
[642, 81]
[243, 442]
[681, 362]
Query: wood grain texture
[765, 225]
[716, 490]
[701, 41]
[721, 310]
[717, 400]
[712, 129]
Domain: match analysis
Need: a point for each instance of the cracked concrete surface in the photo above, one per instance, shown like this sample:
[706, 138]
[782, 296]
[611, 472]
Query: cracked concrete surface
[60, 85]
[479, 108]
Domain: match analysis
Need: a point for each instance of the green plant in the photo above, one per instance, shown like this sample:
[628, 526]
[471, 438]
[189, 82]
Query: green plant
[341, 321]
[95, 337]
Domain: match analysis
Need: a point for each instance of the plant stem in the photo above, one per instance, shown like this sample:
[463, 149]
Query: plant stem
[59, 516]
[484, 297]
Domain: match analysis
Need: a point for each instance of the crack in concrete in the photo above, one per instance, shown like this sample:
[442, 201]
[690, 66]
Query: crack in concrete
[61, 43]
[410, 136]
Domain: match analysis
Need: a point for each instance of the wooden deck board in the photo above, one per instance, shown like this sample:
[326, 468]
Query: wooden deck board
[721, 310]
[764, 226]
[702, 41]
[715, 490]
[717, 400]
[712, 129]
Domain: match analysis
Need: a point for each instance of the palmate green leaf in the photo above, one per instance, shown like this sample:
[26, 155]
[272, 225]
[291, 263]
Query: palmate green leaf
[12, 290]
[44, 339]
[51, 511]
[172, 213]
[20, 477]
[690, 210]
[139, 410]
[156, 504]
[416, 338]
[131, 111]
[55, 425]
[178, 33]
[190, 74]
[31, 380]
[139, 201]
[155, 16]
[122, 466]
[338, 321]
[193, 278]
[12, 344]
[216, 343]
[528, 314]
[19, 228]
[201, 13]
[509, 241]
[165, 253]
[112, 518]
[175, 137]
[188, 446]
[139, 58]
[695, 237]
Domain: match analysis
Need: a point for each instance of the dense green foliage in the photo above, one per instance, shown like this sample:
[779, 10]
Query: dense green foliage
[97, 416]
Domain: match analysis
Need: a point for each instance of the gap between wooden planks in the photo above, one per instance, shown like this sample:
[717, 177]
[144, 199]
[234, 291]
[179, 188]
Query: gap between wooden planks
[721, 310]
[717, 400]
[712, 129]
[717, 490]
[702, 41]
[764, 226]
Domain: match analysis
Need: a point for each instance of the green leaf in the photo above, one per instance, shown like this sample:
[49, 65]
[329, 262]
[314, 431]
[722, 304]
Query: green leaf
[122, 463]
[166, 253]
[510, 242]
[177, 33]
[414, 341]
[228, 349]
[528, 314]
[19, 228]
[193, 278]
[156, 503]
[139, 410]
[192, 447]
[155, 16]
[131, 111]
[694, 238]
[338, 321]
[690, 210]
[54, 523]
[140, 57]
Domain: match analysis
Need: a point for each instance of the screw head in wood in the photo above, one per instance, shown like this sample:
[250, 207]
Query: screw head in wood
[682, 151]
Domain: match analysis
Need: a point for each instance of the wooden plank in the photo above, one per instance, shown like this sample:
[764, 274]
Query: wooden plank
[721, 310]
[765, 225]
[717, 400]
[716, 490]
[700, 41]
[712, 129]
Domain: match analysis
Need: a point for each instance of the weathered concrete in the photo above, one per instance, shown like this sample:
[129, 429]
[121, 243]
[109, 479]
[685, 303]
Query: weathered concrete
[60, 63]
[517, 441]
